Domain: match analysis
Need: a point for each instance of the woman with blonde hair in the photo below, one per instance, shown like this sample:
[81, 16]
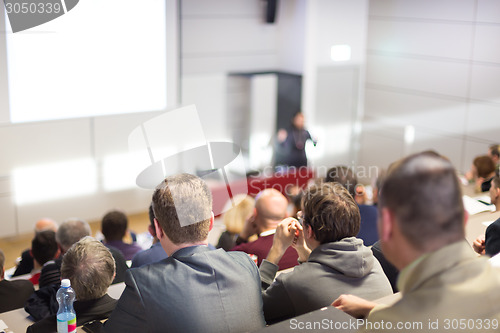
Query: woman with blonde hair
[234, 220]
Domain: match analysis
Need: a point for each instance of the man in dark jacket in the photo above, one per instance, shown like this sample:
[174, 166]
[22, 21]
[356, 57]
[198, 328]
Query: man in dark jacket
[13, 294]
[90, 267]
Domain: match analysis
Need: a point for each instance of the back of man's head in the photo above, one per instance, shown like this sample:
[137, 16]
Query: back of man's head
[44, 246]
[423, 193]
[182, 205]
[71, 231]
[45, 224]
[90, 267]
[271, 208]
[331, 212]
[344, 176]
[114, 225]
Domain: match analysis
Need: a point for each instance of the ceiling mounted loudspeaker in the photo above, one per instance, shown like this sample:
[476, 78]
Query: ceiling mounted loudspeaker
[271, 8]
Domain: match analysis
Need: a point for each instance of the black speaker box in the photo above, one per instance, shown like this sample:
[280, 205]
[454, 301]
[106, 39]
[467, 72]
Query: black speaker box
[271, 11]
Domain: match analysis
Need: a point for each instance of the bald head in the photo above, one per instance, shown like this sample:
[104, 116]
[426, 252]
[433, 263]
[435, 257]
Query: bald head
[271, 207]
[45, 224]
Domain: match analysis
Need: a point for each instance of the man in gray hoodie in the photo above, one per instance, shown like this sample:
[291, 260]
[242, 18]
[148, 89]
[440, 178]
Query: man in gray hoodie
[333, 261]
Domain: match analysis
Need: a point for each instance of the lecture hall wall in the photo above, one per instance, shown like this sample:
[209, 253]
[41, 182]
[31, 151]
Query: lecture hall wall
[433, 71]
[427, 69]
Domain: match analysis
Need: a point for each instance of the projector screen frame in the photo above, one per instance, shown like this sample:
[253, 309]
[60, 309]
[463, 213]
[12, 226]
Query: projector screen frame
[172, 26]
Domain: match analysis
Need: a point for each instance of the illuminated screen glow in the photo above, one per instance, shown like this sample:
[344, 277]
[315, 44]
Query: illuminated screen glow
[100, 58]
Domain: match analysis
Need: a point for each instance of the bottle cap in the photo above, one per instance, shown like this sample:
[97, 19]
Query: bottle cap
[65, 283]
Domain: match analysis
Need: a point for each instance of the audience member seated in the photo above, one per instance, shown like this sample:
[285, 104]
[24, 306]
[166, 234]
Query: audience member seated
[489, 243]
[70, 232]
[43, 249]
[345, 177]
[360, 195]
[13, 294]
[234, 219]
[423, 234]
[338, 263]
[114, 227]
[270, 209]
[483, 170]
[90, 267]
[155, 252]
[390, 271]
[195, 289]
[25, 265]
[294, 195]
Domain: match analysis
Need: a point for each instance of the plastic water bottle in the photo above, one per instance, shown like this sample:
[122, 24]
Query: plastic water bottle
[66, 316]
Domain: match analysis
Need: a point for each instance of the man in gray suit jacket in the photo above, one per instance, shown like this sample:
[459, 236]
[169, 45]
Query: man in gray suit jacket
[195, 289]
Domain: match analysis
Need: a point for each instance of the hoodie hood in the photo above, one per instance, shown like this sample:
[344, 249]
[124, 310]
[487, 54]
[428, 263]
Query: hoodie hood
[348, 256]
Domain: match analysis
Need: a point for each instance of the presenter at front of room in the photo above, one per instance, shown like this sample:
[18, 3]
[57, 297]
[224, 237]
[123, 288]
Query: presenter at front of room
[292, 143]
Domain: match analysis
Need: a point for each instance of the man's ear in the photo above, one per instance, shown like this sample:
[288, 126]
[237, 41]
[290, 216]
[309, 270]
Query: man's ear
[212, 218]
[387, 224]
[159, 231]
[466, 217]
[310, 232]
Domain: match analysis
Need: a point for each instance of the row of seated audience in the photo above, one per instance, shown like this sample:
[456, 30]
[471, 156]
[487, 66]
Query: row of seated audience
[332, 260]
[183, 284]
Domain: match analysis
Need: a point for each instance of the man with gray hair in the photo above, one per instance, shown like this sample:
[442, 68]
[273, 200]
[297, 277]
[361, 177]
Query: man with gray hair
[195, 289]
[444, 285]
[90, 267]
[70, 232]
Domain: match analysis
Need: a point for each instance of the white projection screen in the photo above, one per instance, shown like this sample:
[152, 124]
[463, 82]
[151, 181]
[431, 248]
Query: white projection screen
[102, 57]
